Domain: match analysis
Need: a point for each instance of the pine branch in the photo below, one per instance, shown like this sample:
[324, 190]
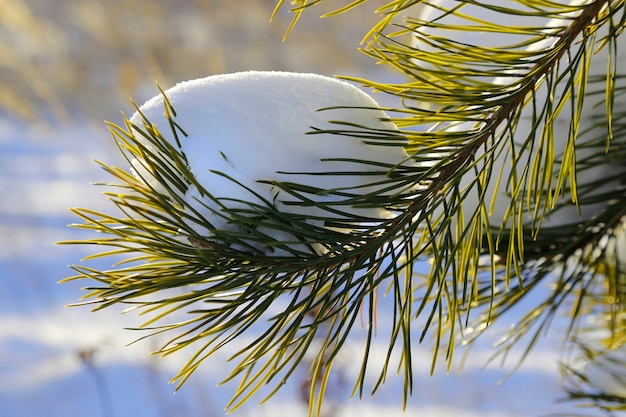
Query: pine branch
[488, 175]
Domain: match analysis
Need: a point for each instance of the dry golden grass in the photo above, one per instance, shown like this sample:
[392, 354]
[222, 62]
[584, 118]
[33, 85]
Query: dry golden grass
[64, 60]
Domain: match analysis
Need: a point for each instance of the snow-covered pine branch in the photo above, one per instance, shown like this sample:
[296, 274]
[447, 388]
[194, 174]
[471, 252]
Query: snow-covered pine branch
[297, 185]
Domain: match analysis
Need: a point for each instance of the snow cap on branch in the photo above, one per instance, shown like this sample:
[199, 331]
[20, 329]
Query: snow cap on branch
[248, 127]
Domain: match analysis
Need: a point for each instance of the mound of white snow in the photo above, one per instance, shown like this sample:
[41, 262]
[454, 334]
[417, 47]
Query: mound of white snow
[255, 126]
[592, 126]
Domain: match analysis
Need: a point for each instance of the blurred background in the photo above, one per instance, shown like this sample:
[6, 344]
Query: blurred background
[66, 66]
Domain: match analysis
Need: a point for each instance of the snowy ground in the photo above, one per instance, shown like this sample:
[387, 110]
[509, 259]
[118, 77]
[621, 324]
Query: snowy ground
[70, 362]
